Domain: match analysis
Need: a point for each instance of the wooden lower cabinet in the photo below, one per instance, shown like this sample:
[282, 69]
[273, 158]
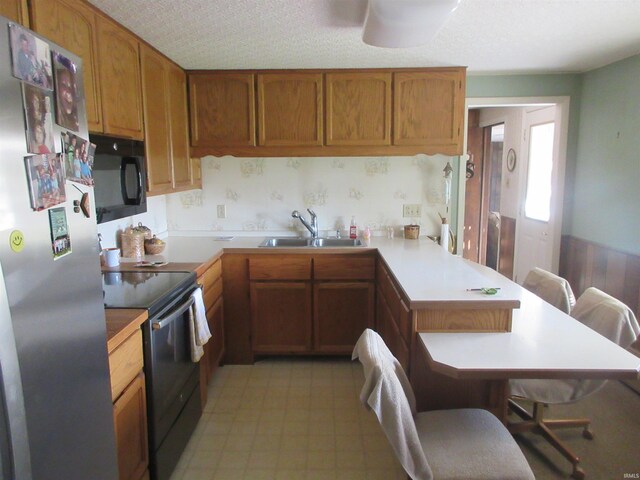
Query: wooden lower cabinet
[129, 407]
[310, 304]
[210, 278]
[130, 420]
[388, 330]
[281, 317]
[342, 310]
[394, 320]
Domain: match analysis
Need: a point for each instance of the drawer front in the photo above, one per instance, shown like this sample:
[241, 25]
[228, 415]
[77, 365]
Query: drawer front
[125, 363]
[344, 267]
[213, 273]
[280, 268]
[212, 293]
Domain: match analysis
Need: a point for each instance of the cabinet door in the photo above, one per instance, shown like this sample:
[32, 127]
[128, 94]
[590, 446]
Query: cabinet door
[386, 326]
[281, 317]
[156, 126]
[130, 420]
[341, 313]
[222, 110]
[73, 25]
[119, 80]
[15, 10]
[290, 109]
[429, 108]
[358, 108]
[215, 345]
[177, 83]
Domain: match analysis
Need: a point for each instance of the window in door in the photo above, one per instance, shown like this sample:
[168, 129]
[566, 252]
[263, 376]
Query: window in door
[537, 204]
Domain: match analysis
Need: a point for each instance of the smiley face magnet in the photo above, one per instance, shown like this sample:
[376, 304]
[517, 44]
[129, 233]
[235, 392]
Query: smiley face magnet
[16, 241]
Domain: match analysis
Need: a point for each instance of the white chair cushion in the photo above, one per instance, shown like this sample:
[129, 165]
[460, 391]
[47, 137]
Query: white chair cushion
[551, 288]
[470, 444]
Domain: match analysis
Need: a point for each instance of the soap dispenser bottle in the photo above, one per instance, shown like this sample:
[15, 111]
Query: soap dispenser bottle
[353, 229]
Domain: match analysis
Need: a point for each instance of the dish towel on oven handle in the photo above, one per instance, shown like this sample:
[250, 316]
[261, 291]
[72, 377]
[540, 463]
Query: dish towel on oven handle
[199, 333]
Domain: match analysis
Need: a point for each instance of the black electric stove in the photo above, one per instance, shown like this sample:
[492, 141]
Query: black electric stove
[171, 377]
[148, 290]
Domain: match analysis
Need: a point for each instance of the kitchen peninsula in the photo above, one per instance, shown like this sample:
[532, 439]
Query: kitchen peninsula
[419, 287]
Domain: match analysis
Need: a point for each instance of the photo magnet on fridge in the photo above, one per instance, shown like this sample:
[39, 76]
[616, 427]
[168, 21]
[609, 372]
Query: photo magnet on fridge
[60, 240]
[78, 158]
[31, 58]
[45, 174]
[66, 92]
[38, 115]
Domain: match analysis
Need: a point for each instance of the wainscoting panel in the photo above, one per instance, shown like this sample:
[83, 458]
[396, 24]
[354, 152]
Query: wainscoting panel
[587, 264]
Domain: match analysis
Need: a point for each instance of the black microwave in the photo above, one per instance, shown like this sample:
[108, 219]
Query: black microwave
[120, 177]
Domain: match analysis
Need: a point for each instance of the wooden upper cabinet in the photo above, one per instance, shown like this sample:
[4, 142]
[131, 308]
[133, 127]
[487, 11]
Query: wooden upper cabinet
[222, 107]
[429, 109]
[120, 80]
[177, 83]
[72, 25]
[15, 10]
[358, 108]
[156, 113]
[290, 109]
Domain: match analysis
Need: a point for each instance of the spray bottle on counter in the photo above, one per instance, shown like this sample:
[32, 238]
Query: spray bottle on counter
[353, 229]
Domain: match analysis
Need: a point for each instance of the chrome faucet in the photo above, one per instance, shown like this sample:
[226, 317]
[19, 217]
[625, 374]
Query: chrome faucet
[313, 226]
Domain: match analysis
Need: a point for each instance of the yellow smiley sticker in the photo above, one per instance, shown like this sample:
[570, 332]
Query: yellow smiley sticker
[16, 241]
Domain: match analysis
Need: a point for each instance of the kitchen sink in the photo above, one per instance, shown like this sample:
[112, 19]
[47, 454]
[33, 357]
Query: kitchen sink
[311, 242]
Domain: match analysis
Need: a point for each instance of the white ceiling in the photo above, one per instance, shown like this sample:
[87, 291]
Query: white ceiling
[487, 36]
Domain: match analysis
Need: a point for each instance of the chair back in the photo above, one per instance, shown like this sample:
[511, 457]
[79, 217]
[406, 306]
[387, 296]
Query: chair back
[551, 288]
[386, 396]
[371, 350]
[608, 316]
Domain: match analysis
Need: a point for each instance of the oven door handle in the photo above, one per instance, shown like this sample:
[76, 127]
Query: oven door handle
[172, 315]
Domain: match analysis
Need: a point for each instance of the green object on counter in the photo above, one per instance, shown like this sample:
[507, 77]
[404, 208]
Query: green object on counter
[489, 291]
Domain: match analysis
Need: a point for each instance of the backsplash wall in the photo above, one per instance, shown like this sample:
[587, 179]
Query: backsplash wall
[260, 193]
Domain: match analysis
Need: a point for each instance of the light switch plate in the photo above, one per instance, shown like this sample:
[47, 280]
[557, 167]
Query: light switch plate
[222, 211]
[412, 210]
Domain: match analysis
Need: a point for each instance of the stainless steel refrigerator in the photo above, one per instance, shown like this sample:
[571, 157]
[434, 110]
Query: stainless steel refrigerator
[56, 414]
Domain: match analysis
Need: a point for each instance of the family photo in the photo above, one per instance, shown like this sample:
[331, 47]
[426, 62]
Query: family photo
[39, 119]
[46, 180]
[78, 158]
[66, 92]
[31, 58]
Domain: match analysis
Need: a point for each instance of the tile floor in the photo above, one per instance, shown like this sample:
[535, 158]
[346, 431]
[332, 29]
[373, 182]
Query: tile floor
[288, 419]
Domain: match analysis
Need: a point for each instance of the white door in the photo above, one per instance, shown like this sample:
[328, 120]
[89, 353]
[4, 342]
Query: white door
[540, 204]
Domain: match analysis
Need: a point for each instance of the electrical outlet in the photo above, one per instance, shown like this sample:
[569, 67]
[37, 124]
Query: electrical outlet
[412, 210]
[222, 211]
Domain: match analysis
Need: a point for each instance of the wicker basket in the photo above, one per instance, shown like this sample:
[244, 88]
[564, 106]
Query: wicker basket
[153, 248]
[132, 244]
[411, 232]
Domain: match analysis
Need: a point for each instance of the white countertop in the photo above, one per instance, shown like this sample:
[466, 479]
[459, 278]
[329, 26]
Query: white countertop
[425, 271]
[544, 343]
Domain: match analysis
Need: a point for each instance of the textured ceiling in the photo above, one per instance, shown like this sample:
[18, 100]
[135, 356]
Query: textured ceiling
[487, 36]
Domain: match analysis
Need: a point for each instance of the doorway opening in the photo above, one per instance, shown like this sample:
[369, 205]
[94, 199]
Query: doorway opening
[516, 154]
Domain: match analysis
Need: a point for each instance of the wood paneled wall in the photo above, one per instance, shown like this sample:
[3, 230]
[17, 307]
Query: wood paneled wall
[507, 246]
[587, 264]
